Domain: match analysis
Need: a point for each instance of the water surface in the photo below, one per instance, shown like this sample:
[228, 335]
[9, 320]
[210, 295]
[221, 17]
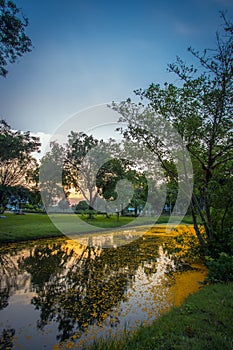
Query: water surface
[58, 294]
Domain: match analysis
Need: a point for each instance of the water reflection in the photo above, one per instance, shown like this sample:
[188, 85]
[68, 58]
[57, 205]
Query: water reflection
[64, 291]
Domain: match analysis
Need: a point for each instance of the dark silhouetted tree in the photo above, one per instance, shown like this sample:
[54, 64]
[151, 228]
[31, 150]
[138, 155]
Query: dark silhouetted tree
[13, 40]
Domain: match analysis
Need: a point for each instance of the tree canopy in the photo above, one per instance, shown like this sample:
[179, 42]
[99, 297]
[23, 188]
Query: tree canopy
[17, 163]
[200, 108]
[14, 42]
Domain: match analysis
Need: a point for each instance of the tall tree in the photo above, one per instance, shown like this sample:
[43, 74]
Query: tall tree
[80, 165]
[113, 182]
[16, 161]
[201, 110]
[51, 177]
[14, 42]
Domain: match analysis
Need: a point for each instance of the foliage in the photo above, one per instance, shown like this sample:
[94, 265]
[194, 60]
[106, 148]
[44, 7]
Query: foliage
[51, 178]
[201, 110]
[32, 208]
[107, 177]
[95, 170]
[17, 163]
[84, 209]
[79, 165]
[222, 242]
[13, 40]
[132, 193]
[80, 207]
[221, 269]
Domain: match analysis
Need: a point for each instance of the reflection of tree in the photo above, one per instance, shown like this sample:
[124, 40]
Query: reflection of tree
[85, 295]
[44, 262]
[93, 284]
[6, 338]
[76, 286]
[8, 278]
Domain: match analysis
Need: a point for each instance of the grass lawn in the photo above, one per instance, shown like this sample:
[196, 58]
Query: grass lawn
[25, 227]
[32, 226]
[204, 321]
[111, 222]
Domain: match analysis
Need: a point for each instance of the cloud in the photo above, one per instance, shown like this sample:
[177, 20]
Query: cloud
[44, 139]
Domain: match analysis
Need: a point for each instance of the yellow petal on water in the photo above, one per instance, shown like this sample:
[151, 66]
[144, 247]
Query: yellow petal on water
[70, 345]
[56, 347]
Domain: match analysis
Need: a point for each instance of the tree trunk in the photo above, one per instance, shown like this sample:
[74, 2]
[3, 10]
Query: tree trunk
[90, 214]
[2, 203]
[209, 219]
[198, 233]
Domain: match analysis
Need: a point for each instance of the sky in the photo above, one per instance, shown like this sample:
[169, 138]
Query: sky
[92, 52]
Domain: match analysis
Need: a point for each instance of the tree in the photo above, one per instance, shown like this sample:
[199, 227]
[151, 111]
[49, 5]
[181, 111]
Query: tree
[51, 177]
[201, 110]
[13, 40]
[111, 185]
[83, 164]
[140, 191]
[17, 164]
[80, 165]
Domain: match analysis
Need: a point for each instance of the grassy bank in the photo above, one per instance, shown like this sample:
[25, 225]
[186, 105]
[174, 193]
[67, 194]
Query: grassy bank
[204, 321]
[32, 226]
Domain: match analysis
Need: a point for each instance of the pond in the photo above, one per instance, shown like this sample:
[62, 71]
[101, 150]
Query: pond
[59, 294]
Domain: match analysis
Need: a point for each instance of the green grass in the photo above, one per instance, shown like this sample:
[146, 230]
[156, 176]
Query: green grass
[32, 226]
[25, 227]
[204, 321]
[111, 222]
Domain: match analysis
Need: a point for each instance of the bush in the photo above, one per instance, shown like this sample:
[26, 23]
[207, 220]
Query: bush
[81, 207]
[221, 269]
[32, 208]
[221, 242]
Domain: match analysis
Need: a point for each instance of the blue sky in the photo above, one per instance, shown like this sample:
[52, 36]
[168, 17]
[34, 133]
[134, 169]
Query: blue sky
[91, 52]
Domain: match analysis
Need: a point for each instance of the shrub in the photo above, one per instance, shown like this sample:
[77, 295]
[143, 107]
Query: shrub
[221, 269]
